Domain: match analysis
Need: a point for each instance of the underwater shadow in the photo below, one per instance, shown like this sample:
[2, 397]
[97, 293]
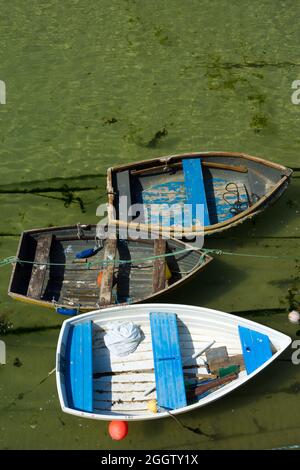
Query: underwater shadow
[204, 287]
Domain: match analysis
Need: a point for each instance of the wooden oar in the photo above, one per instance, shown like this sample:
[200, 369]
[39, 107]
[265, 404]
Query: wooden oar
[215, 383]
[221, 166]
[194, 356]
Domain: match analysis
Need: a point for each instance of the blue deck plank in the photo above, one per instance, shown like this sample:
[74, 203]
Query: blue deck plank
[256, 348]
[168, 369]
[79, 381]
[195, 187]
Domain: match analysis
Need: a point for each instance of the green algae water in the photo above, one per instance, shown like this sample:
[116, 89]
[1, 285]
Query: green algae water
[95, 83]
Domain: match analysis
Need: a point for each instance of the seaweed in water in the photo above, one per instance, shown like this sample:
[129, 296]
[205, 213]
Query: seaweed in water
[5, 325]
[161, 36]
[291, 298]
[69, 198]
[259, 122]
[110, 121]
[258, 98]
[17, 362]
[158, 135]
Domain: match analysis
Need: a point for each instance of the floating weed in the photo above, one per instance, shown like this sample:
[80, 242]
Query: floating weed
[161, 36]
[291, 298]
[214, 70]
[133, 19]
[67, 197]
[17, 362]
[135, 135]
[157, 137]
[61, 421]
[221, 76]
[231, 83]
[258, 98]
[5, 325]
[258, 75]
[259, 122]
[111, 120]
[260, 428]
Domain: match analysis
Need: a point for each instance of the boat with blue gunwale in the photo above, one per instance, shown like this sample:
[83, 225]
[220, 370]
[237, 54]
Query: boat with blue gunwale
[188, 357]
[230, 188]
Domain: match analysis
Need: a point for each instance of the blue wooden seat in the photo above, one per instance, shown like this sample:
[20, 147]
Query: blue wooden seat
[170, 389]
[195, 188]
[79, 373]
[256, 348]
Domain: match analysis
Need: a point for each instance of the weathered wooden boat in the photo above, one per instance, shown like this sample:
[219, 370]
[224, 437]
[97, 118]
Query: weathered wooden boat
[55, 268]
[229, 187]
[189, 357]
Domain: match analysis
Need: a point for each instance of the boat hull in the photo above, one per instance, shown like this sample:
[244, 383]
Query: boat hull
[200, 324]
[69, 282]
[259, 182]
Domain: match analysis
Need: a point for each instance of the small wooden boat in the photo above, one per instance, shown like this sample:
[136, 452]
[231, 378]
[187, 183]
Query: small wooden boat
[72, 269]
[188, 357]
[228, 187]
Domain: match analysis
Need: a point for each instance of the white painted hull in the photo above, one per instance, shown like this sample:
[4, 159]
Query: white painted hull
[118, 393]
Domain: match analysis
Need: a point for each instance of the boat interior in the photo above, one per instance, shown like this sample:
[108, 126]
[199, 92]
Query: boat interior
[180, 362]
[226, 186]
[117, 272]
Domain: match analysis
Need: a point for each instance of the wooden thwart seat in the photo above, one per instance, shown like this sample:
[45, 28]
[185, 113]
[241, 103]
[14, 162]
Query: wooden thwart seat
[108, 272]
[39, 270]
[195, 188]
[124, 191]
[79, 376]
[170, 389]
[256, 348]
[159, 265]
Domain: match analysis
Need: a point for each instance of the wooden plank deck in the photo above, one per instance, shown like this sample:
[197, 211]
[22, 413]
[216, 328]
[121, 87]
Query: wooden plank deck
[159, 265]
[39, 270]
[108, 272]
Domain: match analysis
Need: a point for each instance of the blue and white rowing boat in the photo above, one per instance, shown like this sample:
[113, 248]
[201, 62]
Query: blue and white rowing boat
[189, 357]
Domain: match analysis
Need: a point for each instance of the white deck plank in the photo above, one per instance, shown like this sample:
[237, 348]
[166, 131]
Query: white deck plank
[122, 387]
[108, 364]
[124, 396]
[124, 407]
[126, 378]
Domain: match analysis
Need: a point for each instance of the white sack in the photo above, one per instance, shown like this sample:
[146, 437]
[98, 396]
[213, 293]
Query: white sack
[122, 338]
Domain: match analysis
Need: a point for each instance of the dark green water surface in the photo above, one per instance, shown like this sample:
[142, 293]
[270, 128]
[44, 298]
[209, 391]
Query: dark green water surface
[96, 83]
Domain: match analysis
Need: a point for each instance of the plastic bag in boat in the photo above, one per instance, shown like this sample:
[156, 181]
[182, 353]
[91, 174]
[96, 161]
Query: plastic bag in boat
[122, 338]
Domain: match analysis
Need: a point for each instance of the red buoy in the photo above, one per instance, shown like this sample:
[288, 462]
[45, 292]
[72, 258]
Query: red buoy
[118, 430]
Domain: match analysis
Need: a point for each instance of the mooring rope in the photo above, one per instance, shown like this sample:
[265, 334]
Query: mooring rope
[88, 264]
[251, 255]
[103, 263]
